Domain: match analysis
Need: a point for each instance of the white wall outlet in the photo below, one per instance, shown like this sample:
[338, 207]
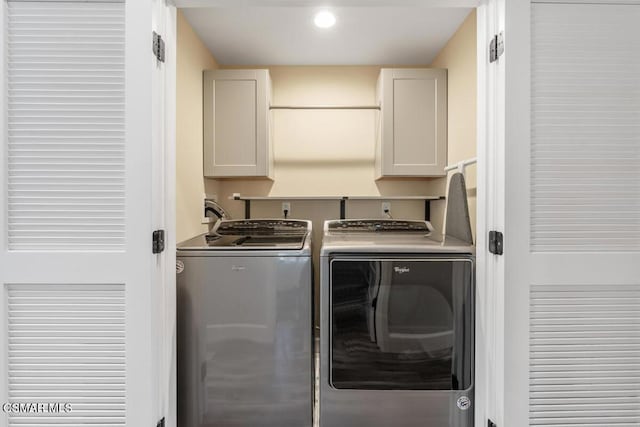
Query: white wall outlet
[286, 206]
[386, 209]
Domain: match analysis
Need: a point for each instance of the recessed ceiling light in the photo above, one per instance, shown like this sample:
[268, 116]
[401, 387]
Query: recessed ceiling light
[324, 19]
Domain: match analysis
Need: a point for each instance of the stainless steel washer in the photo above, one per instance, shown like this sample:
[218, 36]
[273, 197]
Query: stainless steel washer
[245, 325]
[397, 326]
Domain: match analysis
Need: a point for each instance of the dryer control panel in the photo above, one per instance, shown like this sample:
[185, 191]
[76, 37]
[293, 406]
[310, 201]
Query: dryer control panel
[379, 226]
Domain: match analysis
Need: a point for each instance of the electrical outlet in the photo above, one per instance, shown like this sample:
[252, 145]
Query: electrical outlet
[286, 206]
[386, 209]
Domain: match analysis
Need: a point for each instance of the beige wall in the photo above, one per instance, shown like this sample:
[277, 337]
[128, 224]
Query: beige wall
[320, 152]
[325, 152]
[459, 57]
[330, 153]
[192, 58]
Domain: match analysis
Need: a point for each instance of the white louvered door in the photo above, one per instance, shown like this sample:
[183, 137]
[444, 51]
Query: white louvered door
[66, 126]
[82, 296]
[572, 232]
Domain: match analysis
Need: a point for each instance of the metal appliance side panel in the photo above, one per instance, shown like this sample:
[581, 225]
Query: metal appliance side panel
[382, 408]
[245, 341]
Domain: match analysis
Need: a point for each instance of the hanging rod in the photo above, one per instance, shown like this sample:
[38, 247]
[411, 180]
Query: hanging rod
[312, 198]
[460, 166]
[324, 107]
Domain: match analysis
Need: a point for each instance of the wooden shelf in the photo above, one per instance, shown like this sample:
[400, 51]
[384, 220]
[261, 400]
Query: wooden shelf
[324, 107]
[245, 198]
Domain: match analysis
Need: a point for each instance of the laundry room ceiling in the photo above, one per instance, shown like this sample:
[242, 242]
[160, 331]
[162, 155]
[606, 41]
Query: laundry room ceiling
[285, 35]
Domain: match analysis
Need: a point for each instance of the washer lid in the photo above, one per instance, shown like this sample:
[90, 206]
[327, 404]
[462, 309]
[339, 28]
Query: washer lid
[252, 234]
[210, 241]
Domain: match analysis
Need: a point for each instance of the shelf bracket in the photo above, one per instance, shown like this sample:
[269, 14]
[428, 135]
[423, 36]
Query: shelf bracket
[247, 209]
[427, 210]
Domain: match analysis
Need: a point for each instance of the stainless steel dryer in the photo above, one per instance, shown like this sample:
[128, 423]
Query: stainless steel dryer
[397, 326]
[245, 326]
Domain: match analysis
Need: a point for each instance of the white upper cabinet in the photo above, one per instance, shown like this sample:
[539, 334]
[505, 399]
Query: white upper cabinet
[412, 136]
[236, 123]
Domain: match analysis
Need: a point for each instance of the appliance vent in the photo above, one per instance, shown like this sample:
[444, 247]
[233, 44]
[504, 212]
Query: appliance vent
[585, 128]
[66, 125]
[66, 344]
[584, 355]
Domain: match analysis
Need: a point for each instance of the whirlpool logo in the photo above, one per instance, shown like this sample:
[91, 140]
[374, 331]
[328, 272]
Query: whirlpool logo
[463, 403]
[401, 270]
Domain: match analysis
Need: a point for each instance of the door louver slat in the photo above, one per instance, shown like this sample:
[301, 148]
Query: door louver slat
[66, 129]
[584, 366]
[66, 344]
[585, 128]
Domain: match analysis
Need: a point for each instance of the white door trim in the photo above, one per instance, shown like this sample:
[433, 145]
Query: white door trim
[168, 375]
[482, 399]
[490, 390]
[163, 131]
[499, 155]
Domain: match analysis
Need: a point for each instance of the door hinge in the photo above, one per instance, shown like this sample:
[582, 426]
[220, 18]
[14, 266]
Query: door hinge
[160, 423]
[496, 242]
[491, 424]
[158, 47]
[158, 241]
[496, 47]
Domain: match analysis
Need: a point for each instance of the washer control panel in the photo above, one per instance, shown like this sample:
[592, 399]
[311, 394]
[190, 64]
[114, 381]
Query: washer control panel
[244, 227]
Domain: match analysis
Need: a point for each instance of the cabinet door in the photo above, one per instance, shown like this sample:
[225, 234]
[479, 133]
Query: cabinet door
[236, 137]
[414, 122]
